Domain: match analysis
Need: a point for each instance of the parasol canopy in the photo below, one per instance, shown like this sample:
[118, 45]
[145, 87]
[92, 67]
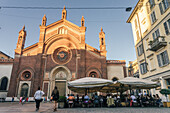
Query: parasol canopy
[89, 84]
[130, 83]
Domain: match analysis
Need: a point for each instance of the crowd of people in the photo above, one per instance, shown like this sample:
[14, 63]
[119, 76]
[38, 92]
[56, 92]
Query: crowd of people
[95, 100]
[141, 100]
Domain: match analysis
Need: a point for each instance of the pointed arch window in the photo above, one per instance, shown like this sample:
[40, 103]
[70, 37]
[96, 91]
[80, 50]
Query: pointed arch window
[4, 83]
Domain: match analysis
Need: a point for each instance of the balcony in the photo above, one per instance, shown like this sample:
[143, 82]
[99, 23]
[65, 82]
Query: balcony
[158, 43]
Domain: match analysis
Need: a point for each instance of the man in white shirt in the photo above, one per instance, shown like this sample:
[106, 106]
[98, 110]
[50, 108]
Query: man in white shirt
[38, 98]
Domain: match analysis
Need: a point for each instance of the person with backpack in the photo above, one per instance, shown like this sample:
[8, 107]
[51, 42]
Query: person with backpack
[38, 98]
[55, 96]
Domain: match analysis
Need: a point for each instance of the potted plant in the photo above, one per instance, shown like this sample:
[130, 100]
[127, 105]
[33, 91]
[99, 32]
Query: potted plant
[61, 101]
[166, 92]
[150, 42]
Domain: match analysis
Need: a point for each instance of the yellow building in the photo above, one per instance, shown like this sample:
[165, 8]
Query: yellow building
[133, 69]
[150, 22]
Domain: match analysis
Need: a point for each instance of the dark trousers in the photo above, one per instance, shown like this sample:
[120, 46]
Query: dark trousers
[37, 103]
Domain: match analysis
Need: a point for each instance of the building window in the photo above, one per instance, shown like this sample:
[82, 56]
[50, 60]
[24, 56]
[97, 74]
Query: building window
[167, 27]
[24, 90]
[155, 34]
[163, 59]
[140, 50]
[143, 68]
[2, 58]
[153, 17]
[4, 83]
[152, 3]
[165, 4]
[161, 8]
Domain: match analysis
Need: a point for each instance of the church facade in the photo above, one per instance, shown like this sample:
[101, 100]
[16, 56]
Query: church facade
[61, 55]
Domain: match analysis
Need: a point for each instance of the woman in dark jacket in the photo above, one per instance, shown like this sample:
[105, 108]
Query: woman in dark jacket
[55, 95]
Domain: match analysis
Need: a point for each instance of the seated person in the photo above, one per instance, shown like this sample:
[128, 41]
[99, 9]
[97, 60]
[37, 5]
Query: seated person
[86, 99]
[96, 100]
[70, 100]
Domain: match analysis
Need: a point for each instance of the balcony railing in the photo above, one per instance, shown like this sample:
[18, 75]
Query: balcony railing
[158, 43]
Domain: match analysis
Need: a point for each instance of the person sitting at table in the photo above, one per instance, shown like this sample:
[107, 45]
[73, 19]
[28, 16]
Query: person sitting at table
[96, 100]
[70, 100]
[86, 100]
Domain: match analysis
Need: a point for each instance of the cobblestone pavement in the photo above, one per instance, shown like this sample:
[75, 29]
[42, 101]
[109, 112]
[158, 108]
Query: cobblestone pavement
[48, 108]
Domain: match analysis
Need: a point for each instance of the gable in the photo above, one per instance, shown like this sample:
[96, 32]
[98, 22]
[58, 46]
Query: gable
[63, 27]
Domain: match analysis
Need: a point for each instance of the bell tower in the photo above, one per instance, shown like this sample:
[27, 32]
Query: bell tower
[44, 20]
[82, 30]
[42, 34]
[102, 43]
[64, 13]
[21, 41]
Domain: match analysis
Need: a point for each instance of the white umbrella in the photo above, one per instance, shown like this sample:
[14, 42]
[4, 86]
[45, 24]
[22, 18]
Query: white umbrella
[138, 83]
[89, 84]
[130, 83]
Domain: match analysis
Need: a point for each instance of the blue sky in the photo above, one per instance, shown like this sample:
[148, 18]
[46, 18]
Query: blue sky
[119, 38]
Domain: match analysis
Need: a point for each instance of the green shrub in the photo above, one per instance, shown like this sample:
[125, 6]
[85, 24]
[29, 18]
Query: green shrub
[62, 99]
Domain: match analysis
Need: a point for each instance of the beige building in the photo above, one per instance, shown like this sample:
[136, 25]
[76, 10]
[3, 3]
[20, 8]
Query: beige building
[116, 69]
[133, 69]
[150, 22]
[6, 63]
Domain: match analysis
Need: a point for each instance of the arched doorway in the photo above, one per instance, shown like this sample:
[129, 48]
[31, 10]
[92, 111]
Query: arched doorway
[59, 77]
[4, 83]
[93, 74]
[24, 90]
[114, 79]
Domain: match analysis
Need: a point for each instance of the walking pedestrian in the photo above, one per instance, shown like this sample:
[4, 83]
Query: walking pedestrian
[55, 96]
[12, 98]
[38, 98]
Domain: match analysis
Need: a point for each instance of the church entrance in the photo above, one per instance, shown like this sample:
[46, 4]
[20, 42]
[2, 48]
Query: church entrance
[61, 85]
[60, 82]
[60, 76]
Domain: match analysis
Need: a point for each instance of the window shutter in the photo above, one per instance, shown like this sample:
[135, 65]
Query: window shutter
[151, 18]
[141, 69]
[154, 16]
[142, 51]
[153, 35]
[138, 50]
[159, 61]
[145, 67]
[157, 33]
[166, 57]
[160, 7]
[166, 28]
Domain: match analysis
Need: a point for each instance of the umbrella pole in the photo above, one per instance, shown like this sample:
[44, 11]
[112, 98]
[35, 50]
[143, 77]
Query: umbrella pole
[130, 89]
[85, 91]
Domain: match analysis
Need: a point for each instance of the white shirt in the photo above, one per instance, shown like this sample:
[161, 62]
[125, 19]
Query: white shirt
[133, 98]
[38, 94]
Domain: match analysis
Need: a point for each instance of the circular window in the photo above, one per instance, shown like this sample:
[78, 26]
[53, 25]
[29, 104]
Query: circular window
[26, 75]
[62, 55]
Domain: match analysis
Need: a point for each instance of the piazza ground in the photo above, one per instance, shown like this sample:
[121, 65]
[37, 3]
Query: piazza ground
[15, 107]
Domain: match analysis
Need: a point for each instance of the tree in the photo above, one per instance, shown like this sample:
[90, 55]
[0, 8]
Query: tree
[165, 92]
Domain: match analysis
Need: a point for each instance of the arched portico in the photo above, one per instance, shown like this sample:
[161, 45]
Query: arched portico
[59, 77]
